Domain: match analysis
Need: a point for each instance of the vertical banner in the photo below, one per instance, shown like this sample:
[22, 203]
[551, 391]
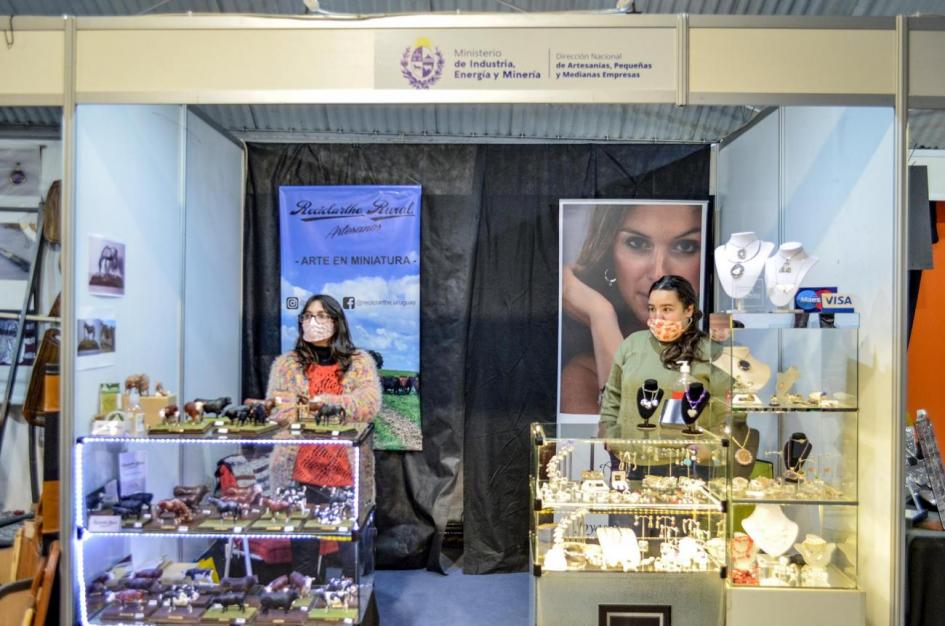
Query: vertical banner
[612, 251]
[361, 245]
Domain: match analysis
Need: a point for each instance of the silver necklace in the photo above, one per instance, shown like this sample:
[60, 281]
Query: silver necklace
[786, 267]
[738, 269]
[649, 401]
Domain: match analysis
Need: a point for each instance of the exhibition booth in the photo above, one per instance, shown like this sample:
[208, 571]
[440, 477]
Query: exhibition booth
[785, 504]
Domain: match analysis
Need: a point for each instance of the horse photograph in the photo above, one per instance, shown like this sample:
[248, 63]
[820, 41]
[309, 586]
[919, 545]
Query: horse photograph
[106, 266]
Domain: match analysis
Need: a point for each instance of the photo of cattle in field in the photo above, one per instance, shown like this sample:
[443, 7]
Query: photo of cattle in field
[400, 385]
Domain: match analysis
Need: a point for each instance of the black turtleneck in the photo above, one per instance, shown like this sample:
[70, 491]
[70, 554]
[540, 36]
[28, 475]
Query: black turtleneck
[323, 355]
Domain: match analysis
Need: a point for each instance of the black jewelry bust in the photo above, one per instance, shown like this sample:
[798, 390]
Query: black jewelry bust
[649, 397]
[795, 451]
[745, 443]
[694, 401]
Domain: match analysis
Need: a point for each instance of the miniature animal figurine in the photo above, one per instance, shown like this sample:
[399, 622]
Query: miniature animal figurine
[176, 508]
[330, 413]
[125, 596]
[278, 584]
[180, 596]
[214, 406]
[142, 584]
[198, 573]
[243, 495]
[191, 496]
[302, 583]
[132, 505]
[237, 414]
[141, 382]
[159, 390]
[227, 507]
[278, 600]
[241, 583]
[258, 413]
[231, 598]
[276, 508]
[170, 414]
[154, 572]
[190, 408]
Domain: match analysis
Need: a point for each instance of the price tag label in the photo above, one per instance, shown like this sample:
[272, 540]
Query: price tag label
[139, 615]
[104, 523]
[219, 423]
[138, 524]
[182, 529]
[206, 511]
[295, 426]
[239, 620]
[223, 431]
[152, 602]
[237, 529]
[342, 529]
[146, 516]
[335, 433]
[288, 529]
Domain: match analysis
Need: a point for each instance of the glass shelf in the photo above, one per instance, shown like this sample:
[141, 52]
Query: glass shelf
[284, 436]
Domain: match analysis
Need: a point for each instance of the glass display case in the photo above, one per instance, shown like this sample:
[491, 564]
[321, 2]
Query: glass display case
[218, 528]
[792, 447]
[628, 505]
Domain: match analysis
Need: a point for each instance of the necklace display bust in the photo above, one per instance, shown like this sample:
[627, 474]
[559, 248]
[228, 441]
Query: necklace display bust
[748, 372]
[770, 529]
[785, 271]
[740, 261]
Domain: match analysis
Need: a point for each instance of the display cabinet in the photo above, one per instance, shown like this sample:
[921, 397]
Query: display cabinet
[625, 521]
[793, 447]
[215, 528]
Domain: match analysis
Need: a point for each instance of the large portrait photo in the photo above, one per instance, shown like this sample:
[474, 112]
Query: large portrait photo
[612, 251]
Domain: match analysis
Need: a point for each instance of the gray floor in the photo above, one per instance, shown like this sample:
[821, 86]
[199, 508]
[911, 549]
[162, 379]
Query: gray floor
[419, 598]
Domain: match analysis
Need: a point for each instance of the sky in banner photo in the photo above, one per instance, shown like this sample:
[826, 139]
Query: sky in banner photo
[359, 244]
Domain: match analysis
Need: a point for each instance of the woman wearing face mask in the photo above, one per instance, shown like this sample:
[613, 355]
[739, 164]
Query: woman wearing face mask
[673, 335]
[324, 367]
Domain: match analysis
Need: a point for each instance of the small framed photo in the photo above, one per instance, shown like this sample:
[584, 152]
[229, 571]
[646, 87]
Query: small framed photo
[8, 342]
[106, 266]
[634, 615]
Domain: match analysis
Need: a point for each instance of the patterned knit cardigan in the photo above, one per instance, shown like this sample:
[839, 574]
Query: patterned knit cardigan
[361, 399]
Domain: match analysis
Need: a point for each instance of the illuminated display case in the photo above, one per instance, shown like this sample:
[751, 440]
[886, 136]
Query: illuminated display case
[793, 447]
[218, 529]
[625, 521]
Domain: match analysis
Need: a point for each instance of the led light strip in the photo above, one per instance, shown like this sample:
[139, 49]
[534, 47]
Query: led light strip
[221, 440]
[177, 535]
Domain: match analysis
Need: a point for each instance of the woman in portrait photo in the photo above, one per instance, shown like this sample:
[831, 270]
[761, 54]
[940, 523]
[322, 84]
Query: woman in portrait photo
[627, 247]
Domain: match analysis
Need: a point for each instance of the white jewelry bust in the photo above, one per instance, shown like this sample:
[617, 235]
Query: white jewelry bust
[748, 372]
[770, 529]
[739, 262]
[785, 271]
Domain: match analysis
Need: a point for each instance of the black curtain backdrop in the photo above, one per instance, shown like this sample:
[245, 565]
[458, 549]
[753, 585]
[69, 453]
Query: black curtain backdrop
[488, 308]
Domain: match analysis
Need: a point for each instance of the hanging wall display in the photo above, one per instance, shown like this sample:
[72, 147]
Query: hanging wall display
[611, 252]
[106, 266]
[17, 241]
[360, 245]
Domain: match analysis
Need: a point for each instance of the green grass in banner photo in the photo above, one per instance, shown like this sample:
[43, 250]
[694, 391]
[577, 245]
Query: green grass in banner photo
[397, 426]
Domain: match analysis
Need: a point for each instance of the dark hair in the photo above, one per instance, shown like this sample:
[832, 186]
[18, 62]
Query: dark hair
[341, 348]
[686, 348]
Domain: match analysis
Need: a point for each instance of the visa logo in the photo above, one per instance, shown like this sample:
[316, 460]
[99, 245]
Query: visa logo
[836, 302]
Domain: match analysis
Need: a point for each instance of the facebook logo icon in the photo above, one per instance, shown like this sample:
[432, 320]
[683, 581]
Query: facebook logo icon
[347, 302]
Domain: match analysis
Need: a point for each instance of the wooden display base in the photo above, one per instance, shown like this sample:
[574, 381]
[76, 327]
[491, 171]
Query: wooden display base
[247, 430]
[129, 613]
[333, 430]
[219, 616]
[183, 428]
[315, 526]
[176, 615]
[228, 524]
[268, 523]
[333, 615]
[298, 614]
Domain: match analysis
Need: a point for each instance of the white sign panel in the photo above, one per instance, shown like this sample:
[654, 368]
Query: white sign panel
[600, 59]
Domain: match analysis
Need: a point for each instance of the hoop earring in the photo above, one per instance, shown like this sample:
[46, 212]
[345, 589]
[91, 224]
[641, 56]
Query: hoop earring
[607, 279]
